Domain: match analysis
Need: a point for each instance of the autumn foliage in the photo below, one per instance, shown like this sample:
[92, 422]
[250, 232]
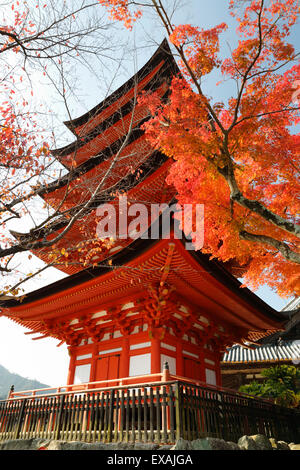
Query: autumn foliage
[239, 158]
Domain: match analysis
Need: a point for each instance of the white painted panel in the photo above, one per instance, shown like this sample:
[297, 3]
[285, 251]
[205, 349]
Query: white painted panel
[183, 309]
[115, 248]
[168, 346]
[84, 356]
[140, 345]
[140, 365]
[176, 315]
[129, 305]
[170, 360]
[106, 336]
[107, 351]
[117, 334]
[208, 361]
[190, 354]
[82, 374]
[102, 321]
[99, 314]
[204, 319]
[196, 325]
[211, 377]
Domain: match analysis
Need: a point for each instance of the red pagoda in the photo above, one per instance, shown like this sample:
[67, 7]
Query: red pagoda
[140, 302]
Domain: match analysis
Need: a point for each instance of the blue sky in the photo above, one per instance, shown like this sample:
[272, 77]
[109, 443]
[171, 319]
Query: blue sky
[42, 359]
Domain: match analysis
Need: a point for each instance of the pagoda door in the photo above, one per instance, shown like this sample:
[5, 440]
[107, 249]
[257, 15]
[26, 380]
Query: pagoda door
[191, 369]
[108, 368]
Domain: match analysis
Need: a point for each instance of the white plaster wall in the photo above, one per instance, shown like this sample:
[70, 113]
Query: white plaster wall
[82, 374]
[211, 377]
[171, 361]
[140, 364]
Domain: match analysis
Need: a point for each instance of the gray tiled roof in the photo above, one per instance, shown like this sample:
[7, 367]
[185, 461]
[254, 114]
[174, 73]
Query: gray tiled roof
[292, 305]
[288, 350]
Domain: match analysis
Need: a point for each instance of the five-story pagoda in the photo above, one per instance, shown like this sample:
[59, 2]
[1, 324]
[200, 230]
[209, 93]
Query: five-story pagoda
[145, 301]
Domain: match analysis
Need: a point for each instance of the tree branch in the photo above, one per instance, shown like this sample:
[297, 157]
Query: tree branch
[284, 249]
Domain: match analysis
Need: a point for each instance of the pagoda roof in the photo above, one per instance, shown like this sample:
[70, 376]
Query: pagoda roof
[136, 264]
[111, 130]
[162, 54]
[110, 117]
[205, 283]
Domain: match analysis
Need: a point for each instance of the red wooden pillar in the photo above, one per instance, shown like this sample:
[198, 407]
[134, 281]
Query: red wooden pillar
[202, 376]
[71, 371]
[124, 360]
[94, 363]
[218, 357]
[155, 356]
[179, 358]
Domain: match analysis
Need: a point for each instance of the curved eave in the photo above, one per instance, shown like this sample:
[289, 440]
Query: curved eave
[116, 118]
[162, 53]
[88, 165]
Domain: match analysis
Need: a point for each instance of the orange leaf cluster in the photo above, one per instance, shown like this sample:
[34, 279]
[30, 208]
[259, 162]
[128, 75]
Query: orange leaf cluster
[119, 10]
[200, 46]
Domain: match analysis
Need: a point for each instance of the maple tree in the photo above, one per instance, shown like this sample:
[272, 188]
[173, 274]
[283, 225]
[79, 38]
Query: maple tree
[241, 158]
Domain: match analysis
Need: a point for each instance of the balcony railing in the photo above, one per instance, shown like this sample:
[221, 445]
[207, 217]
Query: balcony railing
[158, 411]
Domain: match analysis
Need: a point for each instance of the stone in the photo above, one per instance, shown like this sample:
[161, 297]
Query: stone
[278, 445]
[16, 444]
[182, 444]
[294, 446]
[247, 443]
[233, 445]
[256, 442]
[281, 445]
[145, 446]
[124, 446]
[55, 445]
[77, 445]
[262, 442]
[274, 443]
[211, 443]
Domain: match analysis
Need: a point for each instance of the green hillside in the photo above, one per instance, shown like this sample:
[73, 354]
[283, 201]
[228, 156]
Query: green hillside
[7, 379]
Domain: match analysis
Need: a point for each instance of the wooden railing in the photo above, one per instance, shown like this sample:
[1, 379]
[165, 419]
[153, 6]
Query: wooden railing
[91, 386]
[160, 411]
